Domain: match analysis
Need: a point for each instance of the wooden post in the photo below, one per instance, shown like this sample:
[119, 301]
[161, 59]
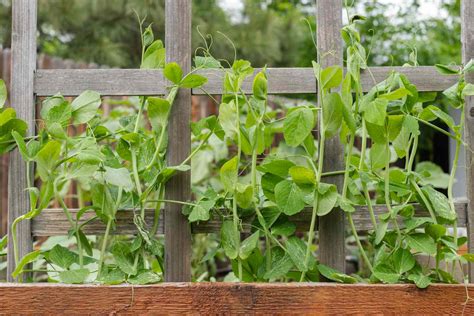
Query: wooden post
[177, 228]
[467, 38]
[331, 226]
[23, 100]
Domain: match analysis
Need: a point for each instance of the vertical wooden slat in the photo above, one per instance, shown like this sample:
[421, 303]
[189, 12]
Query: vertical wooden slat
[23, 100]
[177, 229]
[329, 42]
[467, 38]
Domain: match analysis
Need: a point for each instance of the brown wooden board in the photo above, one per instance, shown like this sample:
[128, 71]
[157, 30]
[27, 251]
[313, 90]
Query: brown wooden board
[234, 298]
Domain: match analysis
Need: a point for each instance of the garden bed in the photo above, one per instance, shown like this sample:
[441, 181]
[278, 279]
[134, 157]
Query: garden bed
[225, 298]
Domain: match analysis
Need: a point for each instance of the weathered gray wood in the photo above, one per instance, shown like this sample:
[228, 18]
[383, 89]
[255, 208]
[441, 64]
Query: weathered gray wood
[111, 82]
[331, 226]
[467, 37]
[53, 222]
[120, 82]
[177, 228]
[23, 100]
[301, 80]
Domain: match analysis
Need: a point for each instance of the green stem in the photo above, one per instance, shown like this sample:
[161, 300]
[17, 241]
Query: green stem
[442, 131]
[234, 199]
[369, 205]
[257, 208]
[315, 202]
[73, 225]
[107, 231]
[156, 219]
[359, 244]
[425, 201]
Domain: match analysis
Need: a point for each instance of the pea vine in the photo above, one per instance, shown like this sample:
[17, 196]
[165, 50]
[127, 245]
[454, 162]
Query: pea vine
[274, 173]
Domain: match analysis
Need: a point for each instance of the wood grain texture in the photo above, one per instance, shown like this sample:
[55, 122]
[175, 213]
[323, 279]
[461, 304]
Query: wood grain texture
[108, 82]
[23, 100]
[53, 222]
[122, 82]
[331, 226]
[235, 298]
[467, 38]
[177, 228]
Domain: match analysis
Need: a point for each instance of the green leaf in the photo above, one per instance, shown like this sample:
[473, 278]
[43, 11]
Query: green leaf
[74, 276]
[289, 197]
[432, 174]
[259, 87]
[123, 258]
[378, 156]
[62, 256]
[228, 174]
[113, 277]
[3, 93]
[436, 231]
[277, 167]
[376, 112]
[244, 195]
[20, 142]
[415, 222]
[297, 126]
[403, 260]
[327, 198]
[380, 232]
[119, 177]
[248, 245]
[332, 114]
[285, 228]
[396, 94]
[28, 258]
[386, 273]
[85, 106]
[154, 56]
[446, 70]
[193, 81]
[302, 175]
[173, 72]
[421, 281]
[200, 212]
[147, 277]
[440, 203]
[158, 112]
[281, 265]
[230, 239]
[334, 275]
[296, 249]
[47, 157]
[468, 90]
[103, 201]
[421, 243]
[228, 118]
[331, 77]
[206, 62]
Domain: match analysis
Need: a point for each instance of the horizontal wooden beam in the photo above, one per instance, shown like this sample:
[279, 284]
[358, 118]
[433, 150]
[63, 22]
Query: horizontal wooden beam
[108, 82]
[236, 298]
[52, 222]
[123, 82]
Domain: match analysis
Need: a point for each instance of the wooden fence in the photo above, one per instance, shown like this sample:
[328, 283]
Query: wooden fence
[29, 82]
[201, 107]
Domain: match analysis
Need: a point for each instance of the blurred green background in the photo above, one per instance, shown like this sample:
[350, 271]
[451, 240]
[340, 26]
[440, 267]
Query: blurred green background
[268, 32]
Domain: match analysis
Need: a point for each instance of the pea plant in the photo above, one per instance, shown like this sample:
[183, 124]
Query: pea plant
[118, 163]
[263, 188]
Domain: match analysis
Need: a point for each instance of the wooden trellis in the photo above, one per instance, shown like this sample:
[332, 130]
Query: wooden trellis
[28, 83]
